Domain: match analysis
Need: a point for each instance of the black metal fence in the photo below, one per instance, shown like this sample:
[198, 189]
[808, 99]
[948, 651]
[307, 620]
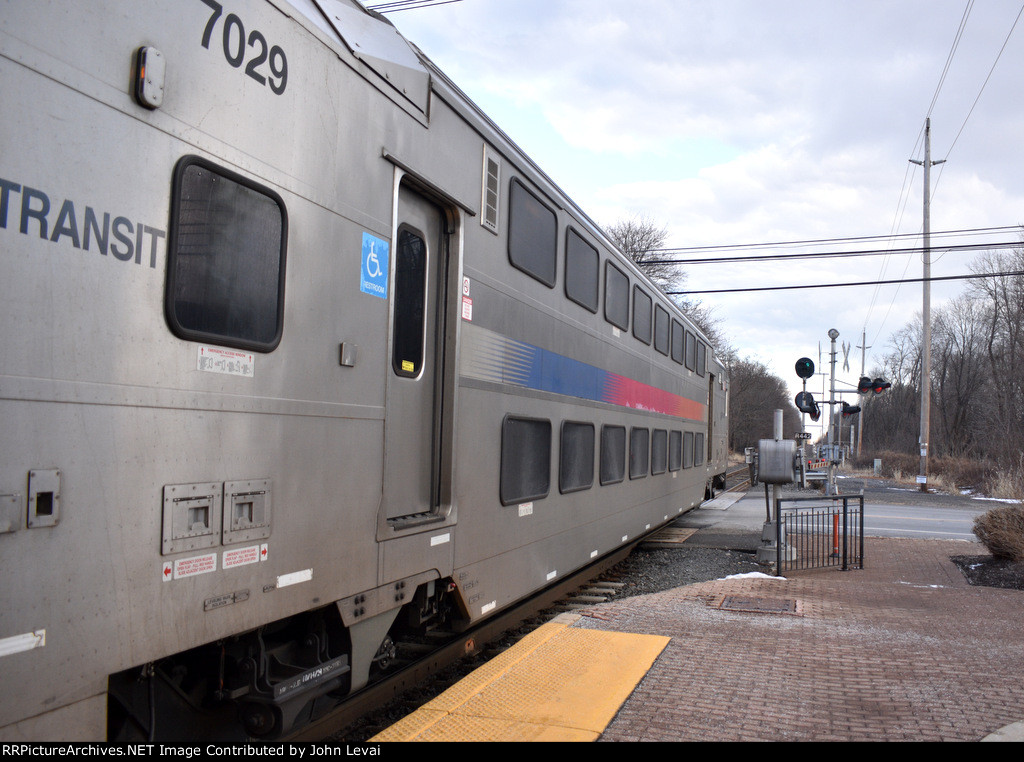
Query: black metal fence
[814, 532]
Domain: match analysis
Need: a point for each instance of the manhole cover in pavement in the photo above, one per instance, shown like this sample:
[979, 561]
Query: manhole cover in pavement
[759, 605]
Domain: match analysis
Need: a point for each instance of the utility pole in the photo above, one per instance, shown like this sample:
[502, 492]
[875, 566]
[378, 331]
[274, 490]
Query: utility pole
[830, 490]
[863, 357]
[926, 317]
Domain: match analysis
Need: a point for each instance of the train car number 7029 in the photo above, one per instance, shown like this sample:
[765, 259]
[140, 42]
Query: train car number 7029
[234, 43]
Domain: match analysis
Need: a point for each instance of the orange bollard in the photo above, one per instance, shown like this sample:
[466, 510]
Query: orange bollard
[835, 535]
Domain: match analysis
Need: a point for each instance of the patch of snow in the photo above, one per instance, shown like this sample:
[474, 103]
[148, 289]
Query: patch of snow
[753, 575]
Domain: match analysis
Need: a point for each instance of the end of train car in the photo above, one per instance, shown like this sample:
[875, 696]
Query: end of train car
[302, 356]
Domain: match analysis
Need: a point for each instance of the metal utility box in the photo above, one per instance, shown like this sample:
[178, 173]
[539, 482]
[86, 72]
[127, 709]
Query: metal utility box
[776, 461]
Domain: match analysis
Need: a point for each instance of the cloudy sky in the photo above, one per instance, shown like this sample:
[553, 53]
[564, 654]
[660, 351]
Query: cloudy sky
[749, 121]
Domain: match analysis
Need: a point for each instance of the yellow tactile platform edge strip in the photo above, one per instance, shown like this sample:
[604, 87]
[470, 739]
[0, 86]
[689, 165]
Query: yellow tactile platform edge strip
[556, 684]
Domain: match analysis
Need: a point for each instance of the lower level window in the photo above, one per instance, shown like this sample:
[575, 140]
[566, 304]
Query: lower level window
[525, 459]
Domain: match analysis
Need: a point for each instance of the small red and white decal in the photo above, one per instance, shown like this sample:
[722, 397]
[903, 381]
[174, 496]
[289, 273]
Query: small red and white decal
[190, 567]
[467, 309]
[251, 554]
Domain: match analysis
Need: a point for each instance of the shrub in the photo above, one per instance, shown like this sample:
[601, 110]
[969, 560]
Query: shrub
[1001, 530]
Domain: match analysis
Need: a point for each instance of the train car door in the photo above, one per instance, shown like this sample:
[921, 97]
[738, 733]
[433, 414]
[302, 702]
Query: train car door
[414, 398]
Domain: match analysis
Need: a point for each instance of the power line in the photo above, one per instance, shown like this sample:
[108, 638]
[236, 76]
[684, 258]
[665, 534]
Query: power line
[843, 285]
[849, 239]
[407, 5]
[986, 246]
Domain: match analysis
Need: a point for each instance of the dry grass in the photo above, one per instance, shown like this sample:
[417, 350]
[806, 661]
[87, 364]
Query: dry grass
[1001, 530]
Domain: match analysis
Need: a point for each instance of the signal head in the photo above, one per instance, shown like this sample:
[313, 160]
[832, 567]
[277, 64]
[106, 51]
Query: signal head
[804, 367]
[864, 385]
[879, 385]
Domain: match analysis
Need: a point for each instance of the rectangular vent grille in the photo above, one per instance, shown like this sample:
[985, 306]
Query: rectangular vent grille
[491, 186]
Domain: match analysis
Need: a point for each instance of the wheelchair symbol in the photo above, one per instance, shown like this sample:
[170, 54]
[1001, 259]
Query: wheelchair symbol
[373, 264]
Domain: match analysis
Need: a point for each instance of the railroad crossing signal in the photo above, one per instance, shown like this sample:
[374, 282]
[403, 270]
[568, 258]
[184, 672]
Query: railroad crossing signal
[805, 404]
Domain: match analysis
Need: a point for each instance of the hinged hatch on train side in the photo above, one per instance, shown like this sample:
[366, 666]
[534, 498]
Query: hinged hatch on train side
[378, 44]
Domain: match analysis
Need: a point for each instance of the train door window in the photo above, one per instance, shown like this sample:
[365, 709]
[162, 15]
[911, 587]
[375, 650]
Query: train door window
[698, 449]
[687, 449]
[581, 271]
[613, 454]
[225, 258]
[639, 452]
[641, 315]
[677, 342]
[675, 450]
[576, 457]
[525, 459]
[616, 296]
[532, 235]
[661, 329]
[691, 351]
[410, 295]
[659, 451]
[701, 358]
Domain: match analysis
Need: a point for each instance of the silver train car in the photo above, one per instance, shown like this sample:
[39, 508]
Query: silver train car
[299, 354]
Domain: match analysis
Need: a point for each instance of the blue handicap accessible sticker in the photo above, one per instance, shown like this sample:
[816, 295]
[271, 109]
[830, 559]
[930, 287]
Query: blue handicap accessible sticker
[374, 278]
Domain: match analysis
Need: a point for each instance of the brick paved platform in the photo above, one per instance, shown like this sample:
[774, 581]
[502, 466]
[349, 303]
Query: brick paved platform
[902, 650]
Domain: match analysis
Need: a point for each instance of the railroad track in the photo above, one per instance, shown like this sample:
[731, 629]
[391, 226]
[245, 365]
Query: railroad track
[741, 474]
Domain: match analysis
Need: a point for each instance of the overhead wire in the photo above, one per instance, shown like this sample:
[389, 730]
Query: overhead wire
[933, 279]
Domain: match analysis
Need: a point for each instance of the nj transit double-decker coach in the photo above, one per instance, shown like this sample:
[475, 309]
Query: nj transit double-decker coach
[299, 354]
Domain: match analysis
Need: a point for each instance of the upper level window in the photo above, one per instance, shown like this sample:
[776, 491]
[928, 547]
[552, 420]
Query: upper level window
[225, 258]
[532, 235]
[581, 271]
[616, 296]
[661, 329]
[701, 358]
[691, 351]
[677, 341]
[641, 315]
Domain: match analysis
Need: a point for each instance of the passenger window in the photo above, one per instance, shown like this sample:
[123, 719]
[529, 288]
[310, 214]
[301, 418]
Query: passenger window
[410, 292]
[616, 296]
[677, 342]
[698, 450]
[701, 358]
[639, 453]
[641, 315]
[225, 258]
[659, 451]
[675, 450]
[581, 271]
[525, 460]
[661, 329]
[687, 449]
[613, 454]
[691, 351]
[576, 457]
[532, 235]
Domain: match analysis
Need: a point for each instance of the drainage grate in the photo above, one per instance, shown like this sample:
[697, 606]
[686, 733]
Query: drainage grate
[759, 605]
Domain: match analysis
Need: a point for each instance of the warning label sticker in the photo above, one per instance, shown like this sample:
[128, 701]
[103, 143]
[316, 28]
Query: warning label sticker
[240, 556]
[190, 567]
[228, 361]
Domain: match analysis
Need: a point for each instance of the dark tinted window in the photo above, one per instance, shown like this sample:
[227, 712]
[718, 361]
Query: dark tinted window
[659, 451]
[576, 457]
[675, 450]
[581, 271]
[616, 296]
[701, 358]
[639, 452]
[532, 235]
[660, 329]
[691, 351]
[225, 258]
[677, 341]
[613, 454]
[525, 459]
[687, 449]
[410, 285]
[641, 315]
[698, 449]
